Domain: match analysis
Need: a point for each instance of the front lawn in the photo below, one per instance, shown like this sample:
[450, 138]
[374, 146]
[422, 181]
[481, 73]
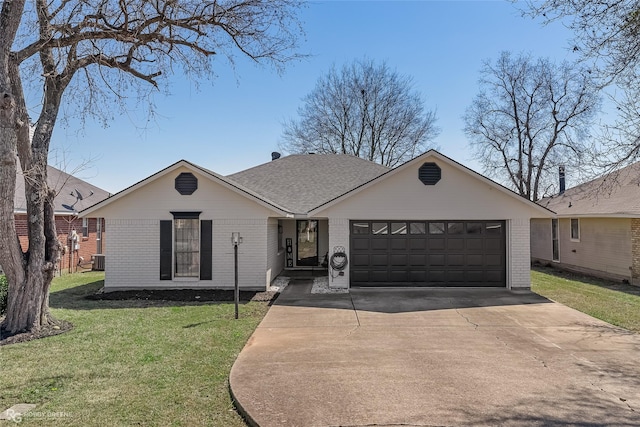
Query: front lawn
[131, 362]
[615, 303]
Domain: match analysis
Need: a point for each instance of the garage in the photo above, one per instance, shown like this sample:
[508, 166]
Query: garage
[439, 253]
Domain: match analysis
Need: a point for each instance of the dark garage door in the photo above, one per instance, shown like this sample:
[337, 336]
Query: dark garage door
[427, 253]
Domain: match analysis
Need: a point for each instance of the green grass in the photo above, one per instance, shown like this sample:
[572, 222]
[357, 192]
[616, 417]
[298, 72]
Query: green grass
[615, 303]
[145, 363]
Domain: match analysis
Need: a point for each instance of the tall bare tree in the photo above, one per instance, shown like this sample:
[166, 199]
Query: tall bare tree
[529, 117]
[366, 110]
[76, 52]
[607, 39]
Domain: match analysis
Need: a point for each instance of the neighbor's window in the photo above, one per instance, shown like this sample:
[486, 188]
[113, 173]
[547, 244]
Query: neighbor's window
[85, 227]
[187, 247]
[575, 229]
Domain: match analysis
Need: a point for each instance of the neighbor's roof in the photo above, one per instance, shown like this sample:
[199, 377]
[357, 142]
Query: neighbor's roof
[303, 181]
[67, 187]
[616, 194]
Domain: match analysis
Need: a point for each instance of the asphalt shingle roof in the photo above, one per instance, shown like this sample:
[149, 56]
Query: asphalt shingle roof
[301, 182]
[64, 184]
[617, 193]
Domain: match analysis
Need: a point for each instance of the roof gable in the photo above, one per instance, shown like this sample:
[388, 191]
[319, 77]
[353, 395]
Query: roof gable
[225, 182]
[416, 163]
[616, 194]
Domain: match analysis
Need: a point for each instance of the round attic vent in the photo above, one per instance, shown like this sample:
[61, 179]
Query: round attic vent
[186, 183]
[429, 174]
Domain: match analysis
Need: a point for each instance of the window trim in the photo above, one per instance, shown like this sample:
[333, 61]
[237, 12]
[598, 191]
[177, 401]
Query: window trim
[168, 251]
[571, 235]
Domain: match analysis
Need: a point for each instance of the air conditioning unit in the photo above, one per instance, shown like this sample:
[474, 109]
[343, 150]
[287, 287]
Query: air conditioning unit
[97, 262]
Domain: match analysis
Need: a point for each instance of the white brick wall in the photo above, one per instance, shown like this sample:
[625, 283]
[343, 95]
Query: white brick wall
[133, 257]
[518, 254]
[275, 256]
[338, 236]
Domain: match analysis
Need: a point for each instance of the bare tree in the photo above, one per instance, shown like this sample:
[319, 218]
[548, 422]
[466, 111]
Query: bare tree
[607, 39]
[529, 117]
[364, 109]
[78, 52]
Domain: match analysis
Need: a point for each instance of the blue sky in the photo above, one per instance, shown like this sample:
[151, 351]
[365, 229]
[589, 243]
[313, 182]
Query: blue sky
[235, 121]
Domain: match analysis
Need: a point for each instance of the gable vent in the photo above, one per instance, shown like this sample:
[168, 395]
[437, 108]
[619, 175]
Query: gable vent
[186, 183]
[429, 174]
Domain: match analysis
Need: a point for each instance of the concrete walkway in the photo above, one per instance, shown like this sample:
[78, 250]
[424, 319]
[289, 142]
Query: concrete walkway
[435, 358]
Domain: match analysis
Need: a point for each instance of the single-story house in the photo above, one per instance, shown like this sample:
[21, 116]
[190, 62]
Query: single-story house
[428, 222]
[73, 195]
[597, 227]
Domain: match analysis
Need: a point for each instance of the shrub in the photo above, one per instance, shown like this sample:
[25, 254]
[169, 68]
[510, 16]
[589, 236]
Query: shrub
[4, 290]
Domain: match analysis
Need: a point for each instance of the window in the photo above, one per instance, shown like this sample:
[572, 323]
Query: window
[575, 229]
[493, 228]
[398, 228]
[379, 228]
[85, 227]
[474, 228]
[186, 247]
[436, 228]
[360, 228]
[417, 228]
[99, 235]
[455, 228]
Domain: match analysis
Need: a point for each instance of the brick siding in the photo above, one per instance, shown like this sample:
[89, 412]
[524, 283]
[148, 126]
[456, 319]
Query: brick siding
[64, 225]
[635, 247]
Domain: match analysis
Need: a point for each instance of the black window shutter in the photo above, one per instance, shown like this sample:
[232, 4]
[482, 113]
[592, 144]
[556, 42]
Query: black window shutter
[206, 249]
[165, 249]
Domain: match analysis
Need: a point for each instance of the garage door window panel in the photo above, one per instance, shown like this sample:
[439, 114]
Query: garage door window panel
[417, 228]
[455, 228]
[360, 228]
[379, 228]
[493, 228]
[474, 228]
[436, 228]
[398, 228]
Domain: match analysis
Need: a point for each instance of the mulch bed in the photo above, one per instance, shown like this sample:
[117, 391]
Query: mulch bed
[56, 328]
[184, 295]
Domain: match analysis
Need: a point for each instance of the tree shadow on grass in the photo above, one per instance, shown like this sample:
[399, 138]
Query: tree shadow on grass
[90, 297]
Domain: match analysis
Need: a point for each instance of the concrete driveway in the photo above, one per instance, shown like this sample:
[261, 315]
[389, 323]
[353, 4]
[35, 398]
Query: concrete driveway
[435, 358]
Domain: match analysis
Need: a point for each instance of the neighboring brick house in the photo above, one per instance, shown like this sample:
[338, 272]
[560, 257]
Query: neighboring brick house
[596, 229]
[73, 195]
[428, 222]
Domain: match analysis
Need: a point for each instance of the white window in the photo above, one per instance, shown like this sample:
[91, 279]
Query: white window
[575, 229]
[85, 227]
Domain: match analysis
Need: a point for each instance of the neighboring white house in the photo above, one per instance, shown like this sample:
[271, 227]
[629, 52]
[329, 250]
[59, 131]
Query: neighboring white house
[597, 227]
[427, 222]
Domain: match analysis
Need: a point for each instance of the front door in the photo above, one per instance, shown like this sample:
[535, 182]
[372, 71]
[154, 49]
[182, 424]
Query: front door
[307, 243]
